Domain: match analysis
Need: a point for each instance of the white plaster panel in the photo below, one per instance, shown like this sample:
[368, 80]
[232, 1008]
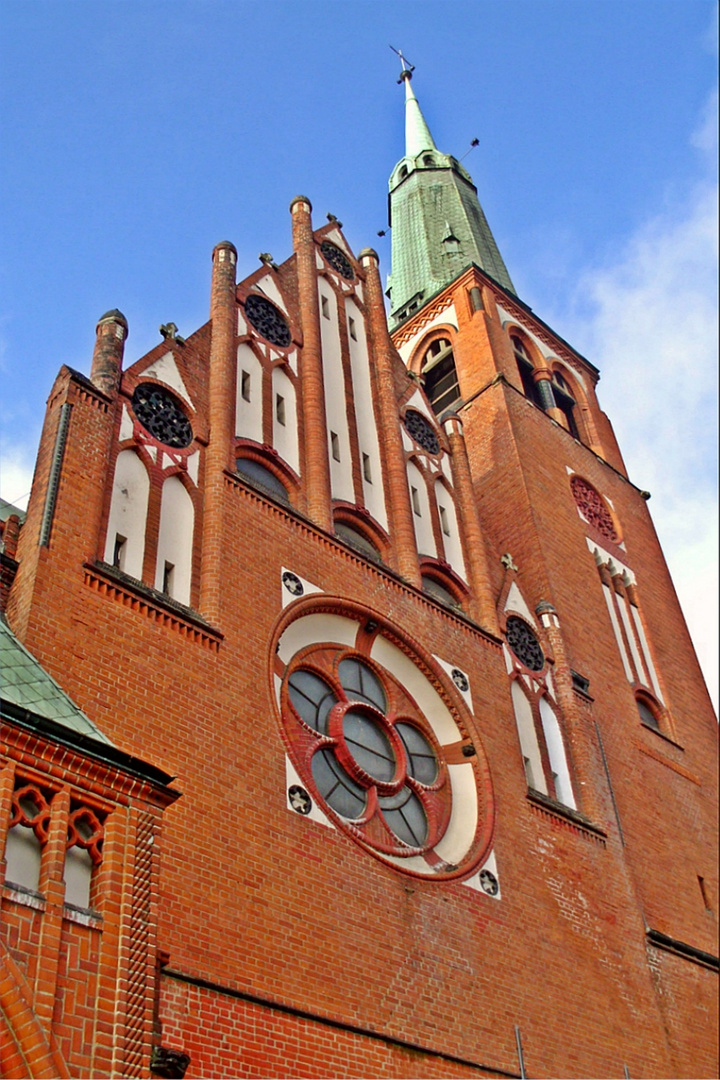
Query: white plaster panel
[337, 238]
[424, 693]
[407, 442]
[605, 557]
[449, 668]
[414, 863]
[360, 291]
[447, 315]
[341, 478]
[516, 602]
[556, 754]
[242, 325]
[451, 542]
[128, 512]
[446, 467]
[167, 462]
[424, 536]
[285, 436]
[268, 285]
[365, 412]
[529, 745]
[312, 629]
[460, 833]
[509, 662]
[292, 360]
[549, 682]
[287, 596]
[126, 425]
[316, 814]
[166, 370]
[152, 452]
[630, 635]
[608, 594]
[193, 466]
[647, 654]
[490, 864]
[249, 414]
[175, 539]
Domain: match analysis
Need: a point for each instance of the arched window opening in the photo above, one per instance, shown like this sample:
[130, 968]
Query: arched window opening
[525, 368]
[403, 172]
[565, 402]
[440, 376]
[125, 540]
[428, 159]
[173, 571]
[259, 476]
[438, 591]
[26, 836]
[357, 540]
[649, 713]
[83, 854]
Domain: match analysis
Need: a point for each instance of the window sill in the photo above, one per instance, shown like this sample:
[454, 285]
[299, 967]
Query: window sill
[20, 894]
[82, 916]
[565, 813]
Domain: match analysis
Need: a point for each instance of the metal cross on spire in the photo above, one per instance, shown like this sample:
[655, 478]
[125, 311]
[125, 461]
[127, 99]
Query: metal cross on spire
[407, 67]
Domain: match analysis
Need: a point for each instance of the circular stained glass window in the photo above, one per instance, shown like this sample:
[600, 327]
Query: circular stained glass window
[421, 430]
[161, 415]
[268, 320]
[374, 758]
[371, 758]
[522, 640]
[338, 260]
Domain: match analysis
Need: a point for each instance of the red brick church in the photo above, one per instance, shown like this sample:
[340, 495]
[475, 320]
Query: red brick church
[350, 724]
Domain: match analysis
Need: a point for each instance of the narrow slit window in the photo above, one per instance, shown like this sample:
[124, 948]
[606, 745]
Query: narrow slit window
[325, 304]
[280, 409]
[444, 520]
[351, 329]
[119, 551]
[245, 385]
[415, 501]
[334, 446]
[168, 576]
[367, 471]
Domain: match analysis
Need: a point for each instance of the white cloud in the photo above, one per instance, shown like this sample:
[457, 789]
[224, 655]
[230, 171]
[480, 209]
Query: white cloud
[649, 322]
[16, 472]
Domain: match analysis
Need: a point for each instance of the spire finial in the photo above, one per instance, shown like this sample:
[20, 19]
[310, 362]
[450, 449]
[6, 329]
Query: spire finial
[407, 67]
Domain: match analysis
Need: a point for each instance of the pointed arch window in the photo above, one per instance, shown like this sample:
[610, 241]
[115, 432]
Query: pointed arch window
[565, 402]
[440, 376]
[525, 368]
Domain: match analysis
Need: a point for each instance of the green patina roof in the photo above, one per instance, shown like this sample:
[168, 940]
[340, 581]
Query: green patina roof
[24, 683]
[438, 225]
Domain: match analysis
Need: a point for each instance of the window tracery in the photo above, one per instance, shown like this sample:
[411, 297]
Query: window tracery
[440, 377]
[593, 508]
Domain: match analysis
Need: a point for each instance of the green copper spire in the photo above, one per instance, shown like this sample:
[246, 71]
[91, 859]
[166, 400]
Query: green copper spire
[438, 225]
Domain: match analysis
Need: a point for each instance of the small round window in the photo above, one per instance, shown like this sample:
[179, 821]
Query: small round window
[338, 260]
[268, 320]
[522, 640]
[161, 415]
[421, 431]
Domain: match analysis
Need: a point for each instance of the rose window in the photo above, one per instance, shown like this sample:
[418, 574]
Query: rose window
[268, 320]
[422, 431]
[338, 260]
[158, 412]
[371, 757]
[383, 764]
[523, 642]
[593, 508]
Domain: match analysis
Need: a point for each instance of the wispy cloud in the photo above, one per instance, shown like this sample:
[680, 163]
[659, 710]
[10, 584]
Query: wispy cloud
[650, 323]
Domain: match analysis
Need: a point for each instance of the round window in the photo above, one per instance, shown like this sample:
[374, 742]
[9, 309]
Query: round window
[376, 760]
[161, 415]
[522, 640]
[338, 260]
[421, 431]
[593, 508]
[268, 320]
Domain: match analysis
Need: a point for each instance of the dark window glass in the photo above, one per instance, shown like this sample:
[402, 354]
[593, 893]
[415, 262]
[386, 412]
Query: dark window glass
[565, 402]
[369, 746]
[361, 684]
[404, 814]
[525, 368]
[647, 716]
[345, 796]
[312, 698]
[437, 591]
[356, 539]
[440, 376]
[261, 477]
[422, 764]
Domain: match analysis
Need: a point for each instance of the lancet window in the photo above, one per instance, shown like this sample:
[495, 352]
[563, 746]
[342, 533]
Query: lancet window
[440, 376]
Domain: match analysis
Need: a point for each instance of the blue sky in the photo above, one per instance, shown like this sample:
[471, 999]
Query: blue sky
[136, 134]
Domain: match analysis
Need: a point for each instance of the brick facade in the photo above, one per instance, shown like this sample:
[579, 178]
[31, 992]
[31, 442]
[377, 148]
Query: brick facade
[264, 937]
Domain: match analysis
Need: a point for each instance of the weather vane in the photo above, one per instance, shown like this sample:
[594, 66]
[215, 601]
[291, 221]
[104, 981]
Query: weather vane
[406, 65]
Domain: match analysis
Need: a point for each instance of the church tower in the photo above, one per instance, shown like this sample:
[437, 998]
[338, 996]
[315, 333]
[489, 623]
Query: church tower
[352, 725]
